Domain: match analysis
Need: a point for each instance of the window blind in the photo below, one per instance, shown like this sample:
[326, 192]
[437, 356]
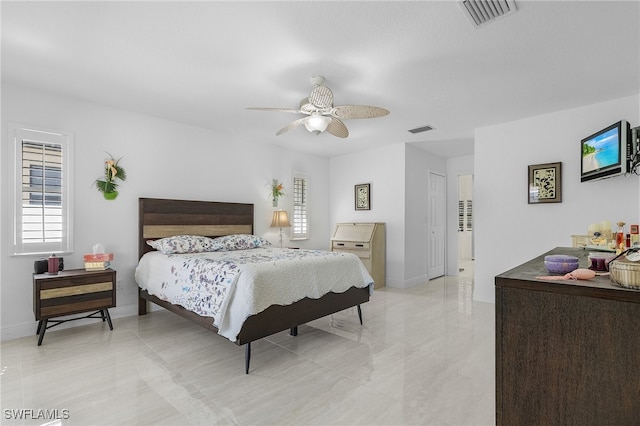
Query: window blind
[41, 192]
[43, 195]
[300, 221]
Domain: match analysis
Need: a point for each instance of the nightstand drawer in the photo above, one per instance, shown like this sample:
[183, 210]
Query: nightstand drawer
[63, 280]
[73, 290]
[75, 304]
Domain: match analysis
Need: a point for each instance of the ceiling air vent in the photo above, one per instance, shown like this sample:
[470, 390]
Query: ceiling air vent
[481, 12]
[421, 129]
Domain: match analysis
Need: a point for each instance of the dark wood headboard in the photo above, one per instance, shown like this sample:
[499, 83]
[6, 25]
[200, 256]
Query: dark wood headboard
[159, 218]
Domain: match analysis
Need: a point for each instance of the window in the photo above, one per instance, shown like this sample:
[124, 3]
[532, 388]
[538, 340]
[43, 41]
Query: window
[42, 213]
[300, 228]
[465, 215]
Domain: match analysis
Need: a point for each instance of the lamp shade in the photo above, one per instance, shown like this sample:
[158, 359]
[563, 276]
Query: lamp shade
[280, 219]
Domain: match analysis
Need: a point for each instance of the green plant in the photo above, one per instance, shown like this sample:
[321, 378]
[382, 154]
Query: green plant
[112, 171]
[277, 189]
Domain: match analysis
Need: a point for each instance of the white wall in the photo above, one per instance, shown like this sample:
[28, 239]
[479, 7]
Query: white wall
[508, 230]
[384, 169]
[398, 175]
[163, 159]
[419, 163]
[456, 166]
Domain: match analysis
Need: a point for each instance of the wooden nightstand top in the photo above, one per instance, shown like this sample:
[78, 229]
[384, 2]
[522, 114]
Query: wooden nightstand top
[69, 273]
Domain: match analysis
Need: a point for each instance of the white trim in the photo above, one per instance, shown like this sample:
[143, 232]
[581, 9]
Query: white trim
[17, 134]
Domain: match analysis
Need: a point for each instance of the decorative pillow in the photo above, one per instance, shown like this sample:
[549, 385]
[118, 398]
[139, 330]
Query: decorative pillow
[241, 242]
[186, 244]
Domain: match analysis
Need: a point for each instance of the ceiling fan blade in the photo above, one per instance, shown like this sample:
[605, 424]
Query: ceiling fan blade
[358, 111]
[291, 125]
[337, 128]
[321, 97]
[290, 110]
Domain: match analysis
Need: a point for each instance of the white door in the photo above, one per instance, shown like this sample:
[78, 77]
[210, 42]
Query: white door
[436, 219]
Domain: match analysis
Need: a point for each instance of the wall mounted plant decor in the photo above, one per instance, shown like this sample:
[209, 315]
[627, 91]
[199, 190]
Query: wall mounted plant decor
[112, 171]
[277, 191]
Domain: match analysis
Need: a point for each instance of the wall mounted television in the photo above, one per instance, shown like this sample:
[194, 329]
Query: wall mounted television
[604, 153]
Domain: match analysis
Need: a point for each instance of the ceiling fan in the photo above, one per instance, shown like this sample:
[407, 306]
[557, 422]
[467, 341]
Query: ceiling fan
[321, 115]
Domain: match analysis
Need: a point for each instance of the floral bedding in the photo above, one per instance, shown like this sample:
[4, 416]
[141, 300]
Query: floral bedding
[230, 286]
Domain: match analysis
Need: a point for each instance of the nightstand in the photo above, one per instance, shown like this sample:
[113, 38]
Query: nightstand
[72, 292]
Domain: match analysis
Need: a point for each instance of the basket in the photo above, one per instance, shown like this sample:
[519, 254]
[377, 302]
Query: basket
[625, 273]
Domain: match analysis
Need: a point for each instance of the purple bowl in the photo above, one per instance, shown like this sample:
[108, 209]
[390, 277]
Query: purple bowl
[560, 263]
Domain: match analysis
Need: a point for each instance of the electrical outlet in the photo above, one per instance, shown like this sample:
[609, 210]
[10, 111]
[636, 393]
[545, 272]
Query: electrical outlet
[119, 284]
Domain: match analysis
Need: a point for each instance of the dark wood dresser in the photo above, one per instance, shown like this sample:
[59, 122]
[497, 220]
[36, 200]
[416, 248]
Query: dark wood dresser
[567, 352]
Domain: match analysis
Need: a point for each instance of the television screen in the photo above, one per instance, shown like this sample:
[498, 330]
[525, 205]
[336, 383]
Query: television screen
[604, 154]
[602, 150]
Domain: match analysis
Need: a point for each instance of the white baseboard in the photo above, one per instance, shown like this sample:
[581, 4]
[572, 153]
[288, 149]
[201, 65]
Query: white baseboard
[415, 281]
[421, 279]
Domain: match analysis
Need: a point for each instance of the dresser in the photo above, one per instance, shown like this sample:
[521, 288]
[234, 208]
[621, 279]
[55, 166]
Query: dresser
[367, 241]
[567, 352]
[71, 292]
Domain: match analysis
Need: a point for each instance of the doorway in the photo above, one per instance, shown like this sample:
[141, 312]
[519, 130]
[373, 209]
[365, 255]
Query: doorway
[465, 225]
[437, 225]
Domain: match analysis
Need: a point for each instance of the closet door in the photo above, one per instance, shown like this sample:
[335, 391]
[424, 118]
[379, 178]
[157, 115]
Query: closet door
[437, 235]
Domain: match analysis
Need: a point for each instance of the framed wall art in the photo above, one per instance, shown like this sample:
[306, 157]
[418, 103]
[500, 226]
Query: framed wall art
[363, 196]
[545, 183]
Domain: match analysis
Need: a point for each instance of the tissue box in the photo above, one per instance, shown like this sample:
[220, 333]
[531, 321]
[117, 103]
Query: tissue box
[98, 257]
[97, 261]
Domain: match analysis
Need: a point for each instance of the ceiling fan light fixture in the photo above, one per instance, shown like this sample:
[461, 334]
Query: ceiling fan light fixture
[317, 123]
[320, 114]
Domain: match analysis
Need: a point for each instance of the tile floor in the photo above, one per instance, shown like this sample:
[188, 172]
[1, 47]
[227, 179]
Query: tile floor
[425, 356]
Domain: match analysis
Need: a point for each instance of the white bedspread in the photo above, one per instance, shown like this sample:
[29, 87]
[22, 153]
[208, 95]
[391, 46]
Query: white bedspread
[230, 286]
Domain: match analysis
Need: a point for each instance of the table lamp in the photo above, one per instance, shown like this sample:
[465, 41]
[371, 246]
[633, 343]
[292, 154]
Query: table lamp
[280, 220]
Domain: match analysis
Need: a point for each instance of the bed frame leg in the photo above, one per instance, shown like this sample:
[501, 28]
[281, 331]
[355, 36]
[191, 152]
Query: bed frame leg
[247, 357]
[293, 331]
[360, 314]
[142, 304]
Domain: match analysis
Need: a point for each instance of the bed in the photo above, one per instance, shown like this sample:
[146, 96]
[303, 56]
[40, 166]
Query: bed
[162, 218]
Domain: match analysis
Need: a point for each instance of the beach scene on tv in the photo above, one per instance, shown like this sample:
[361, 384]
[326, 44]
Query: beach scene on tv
[601, 151]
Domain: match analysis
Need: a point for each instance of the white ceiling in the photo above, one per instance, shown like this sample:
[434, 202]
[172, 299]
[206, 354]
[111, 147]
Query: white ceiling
[203, 63]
